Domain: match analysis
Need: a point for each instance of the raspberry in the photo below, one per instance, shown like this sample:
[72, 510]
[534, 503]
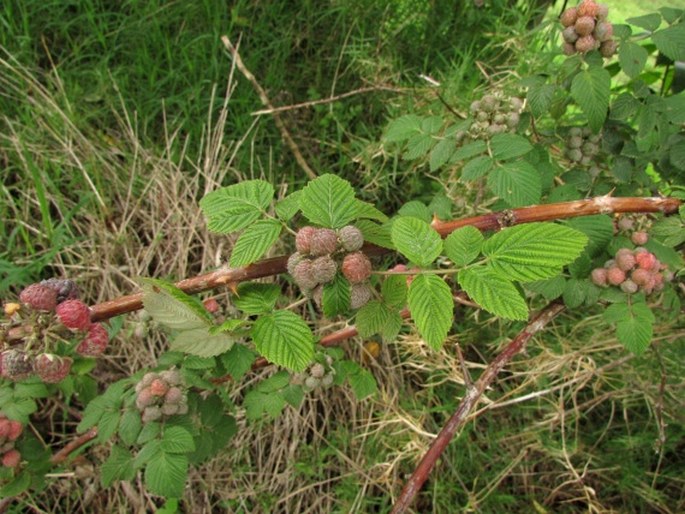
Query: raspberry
[639, 238]
[169, 409]
[599, 276]
[608, 48]
[323, 241]
[360, 294]
[182, 408]
[152, 413]
[39, 297]
[16, 365]
[588, 8]
[615, 275]
[570, 35]
[303, 275]
[171, 377]
[11, 459]
[590, 148]
[145, 399]
[475, 107]
[312, 382]
[327, 380]
[640, 276]
[173, 395]
[602, 12]
[95, 342]
[293, 261]
[575, 155]
[584, 26]
[488, 103]
[645, 260]
[568, 49]
[4, 428]
[575, 142]
[356, 267]
[74, 314]
[158, 387]
[303, 239]
[585, 44]
[317, 370]
[569, 17]
[148, 378]
[52, 369]
[668, 275]
[66, 289]
[629, 287]
[625, 259]
[351, 238]
[513, 120]
[625, 224]
[603, 31]
[516, 103]
[16, 429]
[324, 269]
[211, 305]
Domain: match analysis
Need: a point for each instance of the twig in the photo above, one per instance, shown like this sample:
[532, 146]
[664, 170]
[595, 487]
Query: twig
[74, 445]
[467, 403]
[267, 103]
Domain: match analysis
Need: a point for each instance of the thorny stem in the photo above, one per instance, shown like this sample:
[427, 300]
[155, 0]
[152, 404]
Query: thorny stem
[468, 402]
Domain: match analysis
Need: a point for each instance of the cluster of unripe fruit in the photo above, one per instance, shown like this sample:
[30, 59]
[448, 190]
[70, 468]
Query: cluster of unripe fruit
[493, 114]
[321, 253]
[319, 374]
[587, 28]
[60, 297]
[582, 146]
[161, 394]
[10, 431]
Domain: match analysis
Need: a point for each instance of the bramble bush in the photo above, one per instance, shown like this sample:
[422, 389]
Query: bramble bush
[561, 144]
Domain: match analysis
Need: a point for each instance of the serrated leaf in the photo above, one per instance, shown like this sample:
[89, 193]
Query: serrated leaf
[648, 22]
[441, 153]
[284, 339]
[177, 440]
[431, 305]
[590, 89]
[551, 288]
[238, 361]
[416, 209]
[624, 106]
[118, 466]
[369, 211]
[392, 327]
[363, 384]
[677, 155]
[517, 183]
[230, 325]
[336, 296]
[394, 290]
[476, 168]
[16, 486]
[108, 424]
[635, 331]
[288, 207]
[403, 128]
[416, 240]
[670, 231]
[149, 432]
[235, 207]
[540, 98]
[375, 233]
[166, 475]
[671, 41]
[533, 251]
[575, 292]
[173, 308]
[254, 242]
[493, 293]
[256, 404]
[256, 298]
[201, 342]
[509, 146]
[329, 201]
[632, 58]
[469, 150]
[418, 146]
[130, 426]
[463, 245]
[599, 229]
[371, 318]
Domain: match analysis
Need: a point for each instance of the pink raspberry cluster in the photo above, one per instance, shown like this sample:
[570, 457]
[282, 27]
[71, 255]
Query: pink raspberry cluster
[17, 365]
[322, 252]
[633, 271]
[161, 394]
[582, 146]
[10, 431]
[586, 28]
[493, 114]
[319, 374]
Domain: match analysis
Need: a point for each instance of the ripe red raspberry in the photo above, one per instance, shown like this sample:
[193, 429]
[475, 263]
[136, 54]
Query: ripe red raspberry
[324, 269]
[16, 428]
[615, 275]
[608, 48]
[603, 31]
[585, 44]
[360, 294]
[145, 398]
[303, 275]
[74, 314]
[158, 387]
[569, 17]
[173, 395]
[16, 365]
[645, 260]
[628, 286]
[640, 276]
[95, 342]
[625, 259]
[11, 459]
[211, 305]
[39, 297]
[52, 369]
[584, 26]
[351, 238]
[324, 241]
[66, 289]
[303, 239]
[588, 8]
[639, 238]
[599, 276]
[356, 267]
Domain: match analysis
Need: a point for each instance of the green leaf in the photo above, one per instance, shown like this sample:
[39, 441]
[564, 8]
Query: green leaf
[173, 308]
[166, 475]
[575, 292]
[418, 146]
[201, 342]
[371, 318]
[416, 240]
[671, 41]
[149, 432]
[599, 229]
[254, 242]
[394, 290]
[235, 207]
[431, 306]
[463, 245]
[632, 58]
[540, 98]
[118, 466]
[16, 486]
[392, 327]
[469, 150]
[288, 207]
[493, 293]
[517, 183]
[329, 201]
[369, 211]
[130, 426]
[477, 168]
[257, 404]
[416, 209]
[363, 384]
[256, 298]
[403, 128]
[238, 361]
[634, 327]
[677, 155]
[533, 251]
[375, 233]
[670, 231]
[551, 289]
[590, 89]
[336, 296]
[441, 153]
[649, 22]
[177, 440]
[284, 339]
[509, 146]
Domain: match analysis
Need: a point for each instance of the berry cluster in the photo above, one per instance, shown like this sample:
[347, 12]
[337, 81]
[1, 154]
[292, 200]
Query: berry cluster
[587, 28]
[494, 114]
[321, 252]
[161, 394]
[582, 146]
[16, 365]
[319, 374]
[633, 271]
[10, 431]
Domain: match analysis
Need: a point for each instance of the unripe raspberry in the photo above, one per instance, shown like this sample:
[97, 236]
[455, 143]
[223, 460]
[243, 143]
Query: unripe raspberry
[586, 160]
[148, 378]
[16, 428]
[499, 119]
[602, 12]
[575, 142]
[303, 239]
[648, 288]
[16, 365]
[645, 260]
[4, 428]
[324, 269]
[625, 224]
[615, 275]
[590, 148]
[569, 17]
[668, 275]
[584, 26]
[488, 103]
[169, 409]
[11, 459]
[515, 103]
[173, 395]
[152, 413]
[513, 120]
[603, 31]
[39, 297]
[587, 8]
[327, 380]
[158, 387]
[52, 369]
[575, 131]
[351, 238]
[608, 48]
[628, 286]
[303, 275]
[585, 44]
[356, 267]
[317, 370]
[482, 116]
[575, 155]
[360, 294]
[95, 342]
[182, 409]
[145, 398]
[570, 35]
[625, 259]
[211, 305]
[66, 289]
[171, 376]
[640, 276]
[475, 107]
[293, 261]
[568, 49]
[312, 382]
[639, 238]
[324, 241]
[496, 128]
[74, 314]
[599, 276]
[594, 171]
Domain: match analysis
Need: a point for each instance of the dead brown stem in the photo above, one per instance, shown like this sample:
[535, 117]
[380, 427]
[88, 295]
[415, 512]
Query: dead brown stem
[73, 445]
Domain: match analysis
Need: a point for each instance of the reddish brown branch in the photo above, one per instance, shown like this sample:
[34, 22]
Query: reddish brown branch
[74, 445]
[473, 395]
